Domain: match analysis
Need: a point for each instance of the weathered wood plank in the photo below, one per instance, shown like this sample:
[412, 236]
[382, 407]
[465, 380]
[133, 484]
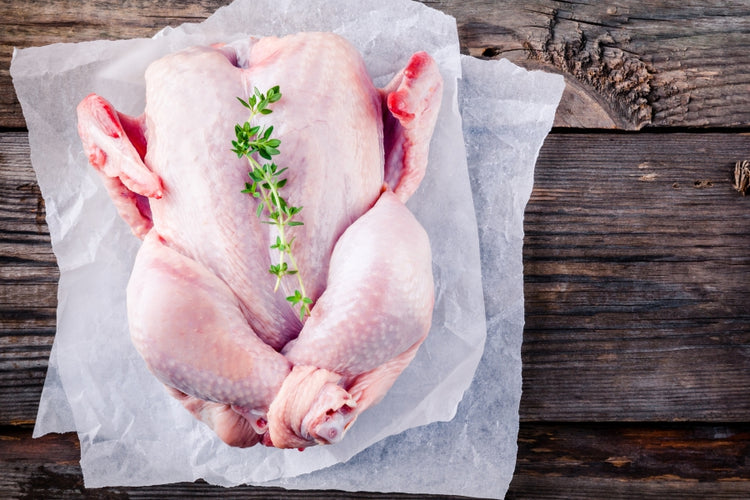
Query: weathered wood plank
[636, 281]
[646, 452]
[28, 284]
[623, 461]
[585, 461]
[48, 467]
[36, 23]
[554, 487]
[628, 64]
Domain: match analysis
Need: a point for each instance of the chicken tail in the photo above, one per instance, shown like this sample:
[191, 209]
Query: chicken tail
[311, 408]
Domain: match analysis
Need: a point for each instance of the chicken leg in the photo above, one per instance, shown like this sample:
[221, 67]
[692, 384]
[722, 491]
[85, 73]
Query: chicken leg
[189, 328]
[368, 323]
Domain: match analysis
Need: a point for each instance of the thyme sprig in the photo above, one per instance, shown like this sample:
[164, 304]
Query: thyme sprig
[252, 140]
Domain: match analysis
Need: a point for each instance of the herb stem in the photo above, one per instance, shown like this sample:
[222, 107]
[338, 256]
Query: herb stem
[252, 140]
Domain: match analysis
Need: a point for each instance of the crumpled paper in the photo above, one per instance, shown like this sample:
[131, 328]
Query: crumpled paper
[419, 438]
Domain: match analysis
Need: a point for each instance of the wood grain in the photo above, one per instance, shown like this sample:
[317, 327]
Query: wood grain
[38, 23]
[583, 461]
[636, 280]
[638, 451]
[48, 468]
[555, 487]
[28, 284]
[628, 64]
[625, 461]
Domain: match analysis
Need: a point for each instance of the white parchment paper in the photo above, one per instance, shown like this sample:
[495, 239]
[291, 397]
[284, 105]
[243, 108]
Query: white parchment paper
[132, 433]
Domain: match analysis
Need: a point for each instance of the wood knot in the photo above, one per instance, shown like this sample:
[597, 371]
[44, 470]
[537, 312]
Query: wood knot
[491, 52]
[597, 57]
[742, 176]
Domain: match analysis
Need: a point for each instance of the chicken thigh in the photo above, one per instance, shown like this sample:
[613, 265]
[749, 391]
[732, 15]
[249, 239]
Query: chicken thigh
[202, 309]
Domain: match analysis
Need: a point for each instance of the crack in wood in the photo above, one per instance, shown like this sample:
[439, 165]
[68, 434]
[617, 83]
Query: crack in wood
[31, 189]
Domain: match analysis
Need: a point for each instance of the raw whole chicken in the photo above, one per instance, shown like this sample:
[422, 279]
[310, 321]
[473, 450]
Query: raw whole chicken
[202, 309]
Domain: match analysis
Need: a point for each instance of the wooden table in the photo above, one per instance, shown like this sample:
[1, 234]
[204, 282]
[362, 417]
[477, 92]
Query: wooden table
[636, 355]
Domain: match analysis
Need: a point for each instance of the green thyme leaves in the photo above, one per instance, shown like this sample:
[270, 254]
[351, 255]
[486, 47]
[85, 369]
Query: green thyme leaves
[266, 184]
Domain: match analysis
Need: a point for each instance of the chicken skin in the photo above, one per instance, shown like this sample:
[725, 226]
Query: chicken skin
[202, 308]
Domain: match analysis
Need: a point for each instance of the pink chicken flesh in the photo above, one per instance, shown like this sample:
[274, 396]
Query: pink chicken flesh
[201, 304]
